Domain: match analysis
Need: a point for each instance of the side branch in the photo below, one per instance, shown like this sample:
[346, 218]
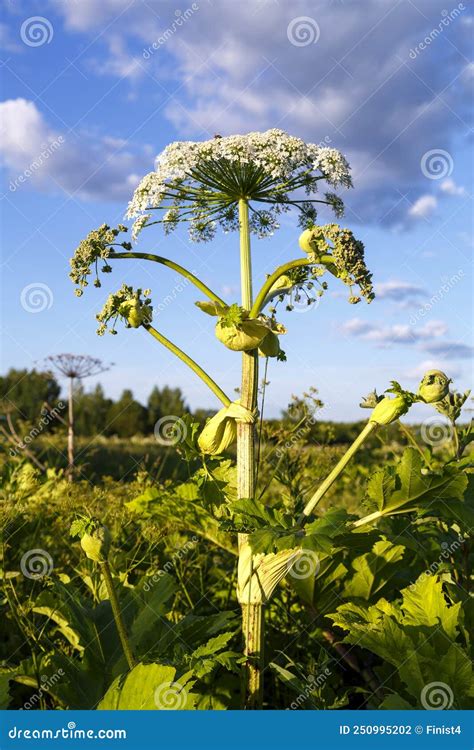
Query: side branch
[175, 267]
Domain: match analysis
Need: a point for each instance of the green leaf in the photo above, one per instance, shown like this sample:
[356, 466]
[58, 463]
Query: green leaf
[149, 687]
[374, 570]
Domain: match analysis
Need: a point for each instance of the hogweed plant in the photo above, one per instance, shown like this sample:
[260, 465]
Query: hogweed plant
[243, 184]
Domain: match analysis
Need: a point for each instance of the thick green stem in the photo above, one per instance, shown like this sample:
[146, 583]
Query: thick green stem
[338, 469]
[253, 630]
[252, 614]
[114, 602]
[175, 267]
[260, 300]
[191, 363]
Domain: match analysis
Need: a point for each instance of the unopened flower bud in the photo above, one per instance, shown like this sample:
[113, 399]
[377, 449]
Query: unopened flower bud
[242, 337]
[221, 430]
[389, 409]
[96, 544]
[307, 242]
[434, 386]
[270, 346]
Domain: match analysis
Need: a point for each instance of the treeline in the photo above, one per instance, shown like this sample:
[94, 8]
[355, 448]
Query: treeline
[23, 394]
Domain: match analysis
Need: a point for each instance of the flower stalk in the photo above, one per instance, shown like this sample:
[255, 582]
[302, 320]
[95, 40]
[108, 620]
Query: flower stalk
[252, 612]
[119, 623]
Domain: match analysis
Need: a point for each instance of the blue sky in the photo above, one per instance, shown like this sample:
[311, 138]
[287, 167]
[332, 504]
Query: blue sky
[93, 90]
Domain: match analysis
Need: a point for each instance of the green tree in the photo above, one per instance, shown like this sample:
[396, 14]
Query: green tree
[25, 391]
[126, 417]
[164, 402]
[92, 410]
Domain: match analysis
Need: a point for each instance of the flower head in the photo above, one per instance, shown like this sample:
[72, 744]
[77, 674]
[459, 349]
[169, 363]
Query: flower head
[434, 386]
[202, 182]
[347, 256]
[128, 305]
[95, 247]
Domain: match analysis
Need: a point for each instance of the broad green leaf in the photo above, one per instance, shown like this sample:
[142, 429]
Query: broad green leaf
[149, 687]
[374, 570]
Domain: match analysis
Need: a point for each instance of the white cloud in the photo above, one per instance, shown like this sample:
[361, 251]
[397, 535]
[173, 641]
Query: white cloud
[396, 333]
[423, 206]
[449, 187]
[398, 290]
[417, 372]
[102, 168]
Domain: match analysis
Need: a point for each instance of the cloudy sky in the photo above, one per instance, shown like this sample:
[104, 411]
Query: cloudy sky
[94, 89]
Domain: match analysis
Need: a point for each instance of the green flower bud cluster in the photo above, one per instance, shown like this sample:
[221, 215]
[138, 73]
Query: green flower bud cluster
[240, 333]
[451, 405]
[95, 247]
[95, 538]
[221, 430]
[347, 253]
[390, 409]
[128, 305]
[434, 386]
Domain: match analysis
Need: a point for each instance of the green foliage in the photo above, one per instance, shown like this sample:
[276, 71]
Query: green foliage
[25, 391]
[421, 636]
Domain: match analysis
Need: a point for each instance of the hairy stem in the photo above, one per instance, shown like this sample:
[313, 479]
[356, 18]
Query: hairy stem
[261, 297]
[175, 267]
[217, 391]
[114, 602]
[252, 614]
[70, 432]
[338, 469]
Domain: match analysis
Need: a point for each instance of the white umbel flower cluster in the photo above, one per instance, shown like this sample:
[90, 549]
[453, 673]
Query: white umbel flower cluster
[202, 182]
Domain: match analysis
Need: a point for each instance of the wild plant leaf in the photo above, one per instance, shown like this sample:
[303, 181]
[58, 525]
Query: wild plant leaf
[208, 657]
[419, 636]
[149, 687]
[409, 486]
[374, 569]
